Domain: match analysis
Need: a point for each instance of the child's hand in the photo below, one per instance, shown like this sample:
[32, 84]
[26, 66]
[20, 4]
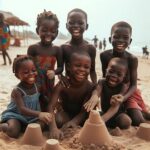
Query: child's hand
[45, 117]
[116, 99]
[69, 124]
[56, 134]
[64, 81]
[91, 103]
[50, 74]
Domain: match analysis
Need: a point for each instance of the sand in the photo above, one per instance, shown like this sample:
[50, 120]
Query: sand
[122, 139]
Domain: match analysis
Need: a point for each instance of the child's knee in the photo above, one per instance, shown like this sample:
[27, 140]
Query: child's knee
[13, 131]
[14, 128]
[136, 116]
[123, 121]
[61, 118]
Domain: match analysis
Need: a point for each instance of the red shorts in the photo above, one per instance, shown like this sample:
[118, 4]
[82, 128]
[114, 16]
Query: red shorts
[136, 101]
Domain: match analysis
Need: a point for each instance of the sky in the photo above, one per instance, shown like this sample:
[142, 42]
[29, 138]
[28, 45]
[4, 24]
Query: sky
[102, 14]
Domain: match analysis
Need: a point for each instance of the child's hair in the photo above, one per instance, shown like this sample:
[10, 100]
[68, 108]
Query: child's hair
[121, 24]
[47, 15]
[73, 56]
[120, 61]
[18, 61]
[78, 10]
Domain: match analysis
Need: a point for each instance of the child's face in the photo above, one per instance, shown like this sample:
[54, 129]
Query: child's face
[120, 38]
[115, 74]
[76, 24]
[27, 72]
[47, 31]
[80, 68]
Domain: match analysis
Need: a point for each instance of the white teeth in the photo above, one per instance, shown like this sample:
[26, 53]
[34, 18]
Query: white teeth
[47, 39]
[31, 79]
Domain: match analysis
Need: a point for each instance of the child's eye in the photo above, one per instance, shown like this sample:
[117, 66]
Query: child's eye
[34, 70]
[26, 72]
[77, 65]
[116, 37]
[86, 67]
[71, 23]
[126, 37]
[81, 23]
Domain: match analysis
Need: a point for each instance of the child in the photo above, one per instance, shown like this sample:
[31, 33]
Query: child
[4, 39]
[76, 25]
[120, 39]
[108, 90]
[24, 107]
[45, 54]
[72, 99]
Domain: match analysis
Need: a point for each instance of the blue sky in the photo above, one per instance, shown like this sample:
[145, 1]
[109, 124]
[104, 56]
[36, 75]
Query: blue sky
[102, 14]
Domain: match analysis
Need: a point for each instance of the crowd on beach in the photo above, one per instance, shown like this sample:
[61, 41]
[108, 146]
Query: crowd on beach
[66, 104]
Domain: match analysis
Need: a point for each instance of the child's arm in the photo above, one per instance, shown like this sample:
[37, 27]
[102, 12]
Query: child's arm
[17, 97]
[51, 73]
[55, 96]
[115, 102]
[92, 71]
[59, 58]
[110, 113]
[77, 120]
[54, 132]
[94, 100]
[133, 79]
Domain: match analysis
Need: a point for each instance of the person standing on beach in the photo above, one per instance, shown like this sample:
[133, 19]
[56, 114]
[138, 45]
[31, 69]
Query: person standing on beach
[120, 39]
[45, 55]
[76, 25]
[104, 44]
[24, 107]
[4, 39]
[95, 39]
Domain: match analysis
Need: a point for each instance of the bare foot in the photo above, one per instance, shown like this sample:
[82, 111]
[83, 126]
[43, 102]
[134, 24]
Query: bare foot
[3, 127]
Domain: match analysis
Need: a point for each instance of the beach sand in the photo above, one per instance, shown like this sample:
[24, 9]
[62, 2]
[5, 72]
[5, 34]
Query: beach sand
[124, 139]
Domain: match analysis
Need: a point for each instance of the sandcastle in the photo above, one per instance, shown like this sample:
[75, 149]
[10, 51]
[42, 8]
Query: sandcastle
[144, 131]
[33, 135]
[94, 131]
[52, 144]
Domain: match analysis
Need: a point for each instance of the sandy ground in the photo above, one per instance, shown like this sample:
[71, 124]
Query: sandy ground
[127, 139]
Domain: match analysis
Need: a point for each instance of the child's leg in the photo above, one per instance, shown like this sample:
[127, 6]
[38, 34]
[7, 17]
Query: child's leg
[6, 54]
[61, 118]
[136, 116]
[123, 121]
[12, 128]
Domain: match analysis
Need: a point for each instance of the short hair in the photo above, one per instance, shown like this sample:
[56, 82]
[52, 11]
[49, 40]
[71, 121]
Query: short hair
[77, 10]
[47, 15]
[80, 54]
[121, 24]
[119, 61]
[18, 62]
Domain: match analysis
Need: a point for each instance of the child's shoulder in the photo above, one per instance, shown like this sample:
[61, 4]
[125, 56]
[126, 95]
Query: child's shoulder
[33, 46]
[130, 54]
[66, 43]
[17, 91]
[106, 53]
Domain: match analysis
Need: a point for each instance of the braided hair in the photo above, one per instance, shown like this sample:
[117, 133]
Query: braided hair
[46, 15]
